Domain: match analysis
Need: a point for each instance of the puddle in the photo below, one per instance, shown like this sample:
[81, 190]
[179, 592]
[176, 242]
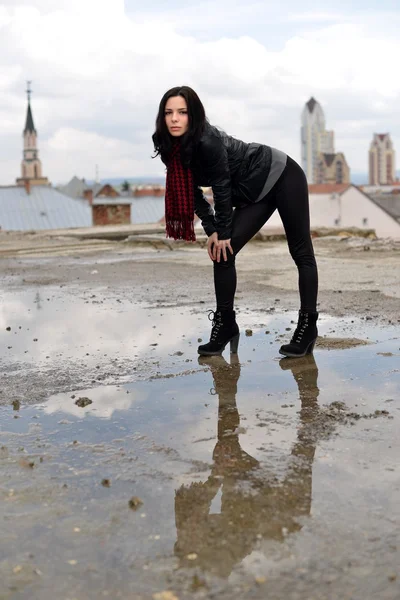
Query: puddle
[253, 472]
[45, 326]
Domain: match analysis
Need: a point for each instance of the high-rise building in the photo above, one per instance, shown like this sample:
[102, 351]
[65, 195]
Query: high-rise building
[382, 164]
[31, 166]
[332, 168]
[315, 139]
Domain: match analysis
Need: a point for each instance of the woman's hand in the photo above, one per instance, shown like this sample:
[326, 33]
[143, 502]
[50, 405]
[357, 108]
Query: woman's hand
[211, 246]
[216, 247]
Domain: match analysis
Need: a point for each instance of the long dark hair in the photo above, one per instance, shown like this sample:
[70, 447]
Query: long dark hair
[163, 140]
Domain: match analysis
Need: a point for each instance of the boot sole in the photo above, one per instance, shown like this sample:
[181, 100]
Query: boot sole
[234, 343]
[309, 350]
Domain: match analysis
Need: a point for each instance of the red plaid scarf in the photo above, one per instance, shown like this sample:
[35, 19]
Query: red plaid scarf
[179, 199]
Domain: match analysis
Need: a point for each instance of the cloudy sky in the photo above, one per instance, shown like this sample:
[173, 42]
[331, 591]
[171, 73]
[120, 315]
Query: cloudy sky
[100, 67]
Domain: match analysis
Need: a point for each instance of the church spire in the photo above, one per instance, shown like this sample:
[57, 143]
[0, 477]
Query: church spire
[29, 126]
[31, 167]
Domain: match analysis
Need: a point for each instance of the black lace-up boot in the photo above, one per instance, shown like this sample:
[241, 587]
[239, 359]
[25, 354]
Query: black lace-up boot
[224, 330]
[304, 337]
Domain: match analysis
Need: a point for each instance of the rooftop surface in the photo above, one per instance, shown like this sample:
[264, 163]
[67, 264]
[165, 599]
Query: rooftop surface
[130, 468]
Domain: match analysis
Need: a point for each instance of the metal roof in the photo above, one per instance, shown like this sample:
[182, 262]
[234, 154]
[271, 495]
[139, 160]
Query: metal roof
[149, 209]
[389, 202]
[47, 208]
[74, 188]
[43, 208]
[109, 200]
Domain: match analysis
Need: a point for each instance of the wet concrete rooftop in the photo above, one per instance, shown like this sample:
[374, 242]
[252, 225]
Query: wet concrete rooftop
[130, 468]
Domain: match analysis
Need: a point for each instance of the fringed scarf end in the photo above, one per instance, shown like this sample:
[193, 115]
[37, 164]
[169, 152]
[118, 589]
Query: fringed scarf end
[181, 230]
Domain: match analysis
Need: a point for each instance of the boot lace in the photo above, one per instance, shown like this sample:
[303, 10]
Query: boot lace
[216, 325]
[300, 329]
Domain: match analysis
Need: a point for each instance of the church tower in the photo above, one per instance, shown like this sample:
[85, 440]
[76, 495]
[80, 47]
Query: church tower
[31, 167]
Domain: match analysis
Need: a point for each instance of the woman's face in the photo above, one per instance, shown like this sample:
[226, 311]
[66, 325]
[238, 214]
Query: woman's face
[176, 116]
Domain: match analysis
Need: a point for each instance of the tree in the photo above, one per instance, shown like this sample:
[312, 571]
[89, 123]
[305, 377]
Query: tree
[126, 186]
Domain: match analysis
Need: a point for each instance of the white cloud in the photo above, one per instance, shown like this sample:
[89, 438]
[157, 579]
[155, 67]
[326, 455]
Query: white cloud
[98, 75]
[106, 400]
[317, 17]
[84, 150]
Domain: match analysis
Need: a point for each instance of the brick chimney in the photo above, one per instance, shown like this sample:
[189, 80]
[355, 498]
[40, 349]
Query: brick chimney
[88, 195]
[27, 185]
[109, 213]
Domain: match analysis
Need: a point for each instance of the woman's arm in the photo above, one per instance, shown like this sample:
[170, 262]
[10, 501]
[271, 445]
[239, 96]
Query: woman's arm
[204, 211]
[214, 159]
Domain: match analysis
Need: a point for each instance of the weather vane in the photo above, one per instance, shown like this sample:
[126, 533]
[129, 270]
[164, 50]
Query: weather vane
[29, 90]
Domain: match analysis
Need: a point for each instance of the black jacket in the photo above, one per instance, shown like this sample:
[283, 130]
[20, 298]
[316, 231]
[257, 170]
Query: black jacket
[235, 171]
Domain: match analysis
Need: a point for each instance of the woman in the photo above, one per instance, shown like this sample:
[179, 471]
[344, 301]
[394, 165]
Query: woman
[249, 181]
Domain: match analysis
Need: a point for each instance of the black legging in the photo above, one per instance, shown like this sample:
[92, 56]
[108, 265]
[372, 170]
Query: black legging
[290, 196]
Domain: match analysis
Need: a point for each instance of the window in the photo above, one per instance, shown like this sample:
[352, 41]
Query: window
[365, 221]
[320, 173]
[339, 171]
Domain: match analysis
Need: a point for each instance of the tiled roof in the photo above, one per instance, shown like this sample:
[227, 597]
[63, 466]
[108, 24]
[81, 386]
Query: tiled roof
[328, 188]
[43, 208]
[76, 188]
[95, 187]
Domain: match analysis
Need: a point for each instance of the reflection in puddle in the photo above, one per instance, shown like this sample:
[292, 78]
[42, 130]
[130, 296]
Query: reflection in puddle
[254, 504]
[104, 402]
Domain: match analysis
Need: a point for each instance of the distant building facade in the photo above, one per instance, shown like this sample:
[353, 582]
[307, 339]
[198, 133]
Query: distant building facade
[332, 168]
[31, 166]
[141, 191]
[111, 212]
[315, 139]
[345, 206]
[382, 164]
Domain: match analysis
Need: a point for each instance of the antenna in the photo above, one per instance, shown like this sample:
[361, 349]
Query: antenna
[97, 180]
